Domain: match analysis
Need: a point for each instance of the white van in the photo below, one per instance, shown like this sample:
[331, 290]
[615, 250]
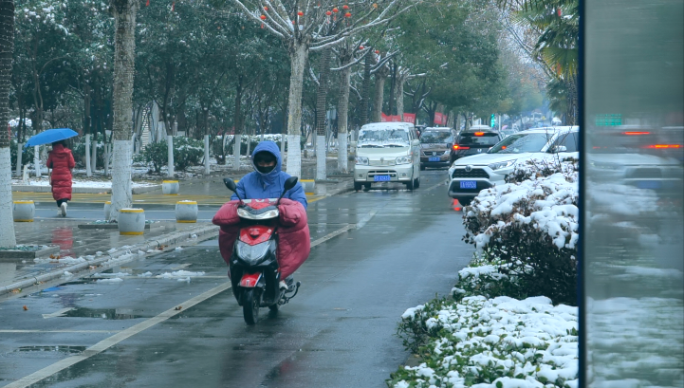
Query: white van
[387, 152]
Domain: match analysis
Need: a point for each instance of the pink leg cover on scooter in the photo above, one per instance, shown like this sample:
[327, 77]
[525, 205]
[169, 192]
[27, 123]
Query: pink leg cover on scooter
[294, 242]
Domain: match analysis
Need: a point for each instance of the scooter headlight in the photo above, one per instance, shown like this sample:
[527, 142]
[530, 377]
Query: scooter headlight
[242, 213]
[252, 254]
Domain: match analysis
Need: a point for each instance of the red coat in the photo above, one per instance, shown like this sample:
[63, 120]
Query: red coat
[61, 161]
[294, 242]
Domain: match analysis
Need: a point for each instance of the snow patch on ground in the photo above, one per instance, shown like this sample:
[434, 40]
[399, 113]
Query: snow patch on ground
[180, 274]
[77, 183]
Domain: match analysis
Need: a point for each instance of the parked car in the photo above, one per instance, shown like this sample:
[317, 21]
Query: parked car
[471, 174]
[435, 147]
[387, 152]
[475, 140]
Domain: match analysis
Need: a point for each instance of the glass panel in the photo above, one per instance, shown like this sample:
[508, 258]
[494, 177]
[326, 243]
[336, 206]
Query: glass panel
[633, 258]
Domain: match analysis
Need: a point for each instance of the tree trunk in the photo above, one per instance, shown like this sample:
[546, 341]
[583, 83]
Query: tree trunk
[365, 91]
[376, 117]
[36, 161]
[207, 163]
[122, 107]
[238, 124]
[89, 171]
[321, 99]
[7, 236]
[399, 96]
[393, 89]
[342, 114]
[170, 163]
[299, 52]
[93, 156]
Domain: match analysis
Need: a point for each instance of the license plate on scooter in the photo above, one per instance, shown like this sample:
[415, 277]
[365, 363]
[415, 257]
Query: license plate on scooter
[382, 178]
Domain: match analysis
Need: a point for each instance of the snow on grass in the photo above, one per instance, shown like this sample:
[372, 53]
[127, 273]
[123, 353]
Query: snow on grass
[498, 342]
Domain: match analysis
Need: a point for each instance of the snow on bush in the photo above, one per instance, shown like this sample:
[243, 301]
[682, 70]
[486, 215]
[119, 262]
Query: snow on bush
[499, 342]
[532, 226]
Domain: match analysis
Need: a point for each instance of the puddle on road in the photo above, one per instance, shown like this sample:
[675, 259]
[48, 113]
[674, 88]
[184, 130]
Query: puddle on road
[112, 314]
[68, 349]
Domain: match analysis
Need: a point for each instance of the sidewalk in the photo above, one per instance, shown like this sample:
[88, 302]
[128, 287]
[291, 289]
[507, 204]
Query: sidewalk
[87, 251]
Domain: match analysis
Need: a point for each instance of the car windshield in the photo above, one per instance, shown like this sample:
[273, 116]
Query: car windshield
[436, 137]
[381, 138]
[473, 139]
[522, 142]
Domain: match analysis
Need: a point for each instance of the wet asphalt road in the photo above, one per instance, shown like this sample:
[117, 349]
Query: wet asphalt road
[338, 332]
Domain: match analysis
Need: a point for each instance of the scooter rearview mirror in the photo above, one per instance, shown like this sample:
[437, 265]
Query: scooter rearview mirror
[230, 184]
[290, 183]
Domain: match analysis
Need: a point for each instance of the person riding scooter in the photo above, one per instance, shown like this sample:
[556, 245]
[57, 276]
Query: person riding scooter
[268, 181]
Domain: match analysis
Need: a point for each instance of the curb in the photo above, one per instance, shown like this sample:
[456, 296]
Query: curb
[114, 258]
[80, 190]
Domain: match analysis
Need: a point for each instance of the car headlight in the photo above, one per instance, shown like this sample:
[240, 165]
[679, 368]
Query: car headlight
[252, 254]
[500, 165]
[404, 159]
[362, 160]
[447, 152]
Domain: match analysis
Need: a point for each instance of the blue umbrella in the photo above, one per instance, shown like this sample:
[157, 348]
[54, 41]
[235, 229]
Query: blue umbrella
[50, 136]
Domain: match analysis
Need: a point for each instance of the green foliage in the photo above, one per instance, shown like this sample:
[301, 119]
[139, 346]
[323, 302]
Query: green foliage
[187, 152]
[156, 155]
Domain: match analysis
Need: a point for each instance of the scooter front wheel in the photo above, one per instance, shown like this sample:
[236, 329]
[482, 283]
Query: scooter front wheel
[250, 306]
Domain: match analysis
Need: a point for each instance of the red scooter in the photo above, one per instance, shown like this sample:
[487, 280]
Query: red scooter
[254, 269]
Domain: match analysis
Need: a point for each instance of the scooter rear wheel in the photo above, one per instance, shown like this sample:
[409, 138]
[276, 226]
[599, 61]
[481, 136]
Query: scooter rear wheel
[250, 306]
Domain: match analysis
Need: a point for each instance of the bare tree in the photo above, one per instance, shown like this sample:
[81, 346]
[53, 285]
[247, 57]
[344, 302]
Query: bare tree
[303, 26]
[124, 12]
[7, 236]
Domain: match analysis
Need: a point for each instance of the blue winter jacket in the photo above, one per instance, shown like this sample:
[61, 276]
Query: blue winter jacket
[257, 185]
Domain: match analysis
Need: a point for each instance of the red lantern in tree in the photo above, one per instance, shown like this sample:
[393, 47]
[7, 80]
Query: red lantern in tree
[173, 6]
[147, 4]
[345, 7]
[360, 47]
[300, 13]
[336, 10]
[263, 17]
[328, 13]
[347, 15]
[377, 51]
[265, 8]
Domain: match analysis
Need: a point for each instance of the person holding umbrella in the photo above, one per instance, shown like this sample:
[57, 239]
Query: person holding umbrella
[61, 161]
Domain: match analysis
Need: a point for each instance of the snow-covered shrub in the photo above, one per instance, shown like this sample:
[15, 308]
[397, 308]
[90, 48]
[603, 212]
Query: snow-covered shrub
[491, 343]
[532, 227]
[78, 150]
[489, 277]
[539, 168]
[187, 152]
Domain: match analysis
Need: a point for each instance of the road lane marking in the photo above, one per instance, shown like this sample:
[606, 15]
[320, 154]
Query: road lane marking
[435, 186]
[115, 339]
[332, 235]
[135, 329]
[57, 313]
[61, 331]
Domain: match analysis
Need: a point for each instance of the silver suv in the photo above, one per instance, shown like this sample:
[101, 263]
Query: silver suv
[469, 175]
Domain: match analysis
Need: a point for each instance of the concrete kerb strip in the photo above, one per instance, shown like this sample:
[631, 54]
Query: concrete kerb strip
[115, 258]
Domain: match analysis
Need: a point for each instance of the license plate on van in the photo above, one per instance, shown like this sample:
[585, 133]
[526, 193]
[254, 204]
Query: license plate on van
[468, 184]
[434, 159]
[382, 178]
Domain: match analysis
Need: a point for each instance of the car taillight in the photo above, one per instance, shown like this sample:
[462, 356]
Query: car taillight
[479, 133]
[458, 147]
[661, 146]
[636, 133]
